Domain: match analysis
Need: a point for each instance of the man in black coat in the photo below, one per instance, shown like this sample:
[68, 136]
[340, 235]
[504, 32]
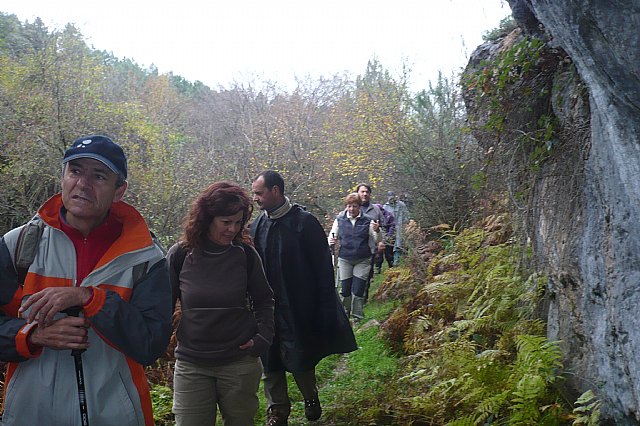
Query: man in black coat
[310, 323]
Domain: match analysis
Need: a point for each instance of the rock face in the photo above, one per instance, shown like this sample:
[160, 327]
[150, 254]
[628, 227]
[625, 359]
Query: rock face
[584, 211]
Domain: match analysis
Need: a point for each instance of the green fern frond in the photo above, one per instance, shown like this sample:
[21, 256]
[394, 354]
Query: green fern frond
[539, 355]
[463, 421]
[587, 410]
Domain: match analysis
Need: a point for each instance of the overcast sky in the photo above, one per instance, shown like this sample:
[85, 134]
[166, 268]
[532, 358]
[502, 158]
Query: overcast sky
[221, 41]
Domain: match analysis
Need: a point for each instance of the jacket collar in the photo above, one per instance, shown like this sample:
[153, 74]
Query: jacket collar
[280, 211]
[135, 233]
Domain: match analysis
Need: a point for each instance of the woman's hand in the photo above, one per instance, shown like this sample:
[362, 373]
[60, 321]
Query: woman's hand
[247, 345]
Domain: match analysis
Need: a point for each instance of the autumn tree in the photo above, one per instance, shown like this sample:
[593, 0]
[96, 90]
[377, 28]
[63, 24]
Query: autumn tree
[364, 130]
[437, 160]
[50, 92]
[324, 136]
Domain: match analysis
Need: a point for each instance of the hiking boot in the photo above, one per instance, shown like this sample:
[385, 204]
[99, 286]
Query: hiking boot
[312, 409]
[378, 269]
[274, 419]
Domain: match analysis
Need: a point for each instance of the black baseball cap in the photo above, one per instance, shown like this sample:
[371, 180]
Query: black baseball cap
[99, 148]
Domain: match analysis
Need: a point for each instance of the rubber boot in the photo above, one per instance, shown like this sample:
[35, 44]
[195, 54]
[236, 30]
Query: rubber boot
[357, 308]
[346, 304]
[359, 291]
[345, 294]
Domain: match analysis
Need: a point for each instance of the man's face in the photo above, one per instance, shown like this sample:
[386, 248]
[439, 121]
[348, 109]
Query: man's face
[88, 190]
[364, 194]
[265, 198]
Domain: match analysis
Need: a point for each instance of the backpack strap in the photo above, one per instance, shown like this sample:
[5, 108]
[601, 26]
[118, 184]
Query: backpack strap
[249, 258]
[27, 247]
[139, 271]
[178, 259]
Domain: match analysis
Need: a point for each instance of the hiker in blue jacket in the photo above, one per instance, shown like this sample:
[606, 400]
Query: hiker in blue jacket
[358, 236]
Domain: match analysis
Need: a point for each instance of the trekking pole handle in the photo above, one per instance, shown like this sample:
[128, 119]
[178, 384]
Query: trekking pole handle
[74, 311]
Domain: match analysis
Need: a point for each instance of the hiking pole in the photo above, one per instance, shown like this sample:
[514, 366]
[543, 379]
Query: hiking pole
[74, 311]
[335, 261]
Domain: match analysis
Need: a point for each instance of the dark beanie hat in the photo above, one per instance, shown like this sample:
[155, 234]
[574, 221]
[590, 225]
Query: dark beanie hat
[99, 148]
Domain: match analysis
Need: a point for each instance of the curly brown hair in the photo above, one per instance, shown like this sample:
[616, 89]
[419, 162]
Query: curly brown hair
[218, 199]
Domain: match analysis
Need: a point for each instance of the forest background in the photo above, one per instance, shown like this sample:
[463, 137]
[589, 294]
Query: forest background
[324, 136]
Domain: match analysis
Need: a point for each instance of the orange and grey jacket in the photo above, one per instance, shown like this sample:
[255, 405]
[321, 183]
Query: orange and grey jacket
[130, 327]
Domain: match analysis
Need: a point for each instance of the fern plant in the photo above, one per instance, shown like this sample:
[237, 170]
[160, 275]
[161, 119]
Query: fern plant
[587, 410]
[477, 353]
[536, 367]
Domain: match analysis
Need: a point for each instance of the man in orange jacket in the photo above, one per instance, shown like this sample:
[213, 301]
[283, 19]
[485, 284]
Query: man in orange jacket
[89, 251]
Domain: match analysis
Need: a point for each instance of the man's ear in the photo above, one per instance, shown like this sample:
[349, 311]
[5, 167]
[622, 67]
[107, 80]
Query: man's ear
[120, 192]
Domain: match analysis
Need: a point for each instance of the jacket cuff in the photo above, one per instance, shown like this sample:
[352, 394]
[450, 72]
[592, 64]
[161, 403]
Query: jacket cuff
[95, 303]
[260, 346]
[22, 344]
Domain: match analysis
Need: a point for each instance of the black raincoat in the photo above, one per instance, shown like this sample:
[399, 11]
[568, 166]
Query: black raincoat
[310, 322]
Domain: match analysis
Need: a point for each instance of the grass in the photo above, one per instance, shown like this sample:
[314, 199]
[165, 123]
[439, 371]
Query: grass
[161, 399]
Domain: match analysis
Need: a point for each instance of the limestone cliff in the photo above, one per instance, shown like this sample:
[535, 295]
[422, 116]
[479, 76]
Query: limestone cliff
[559, 99]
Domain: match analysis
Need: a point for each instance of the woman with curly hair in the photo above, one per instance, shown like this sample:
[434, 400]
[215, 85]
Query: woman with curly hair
[226, 311]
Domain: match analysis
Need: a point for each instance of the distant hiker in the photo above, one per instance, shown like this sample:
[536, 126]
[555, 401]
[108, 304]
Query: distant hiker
[401, 215]
[368, 208]
[359, 237]
[385, 247]
[373, 212]
[309, 322]
[95, 252]
[226, 311]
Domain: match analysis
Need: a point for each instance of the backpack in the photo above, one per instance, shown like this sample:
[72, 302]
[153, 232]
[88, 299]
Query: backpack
[27, 247]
